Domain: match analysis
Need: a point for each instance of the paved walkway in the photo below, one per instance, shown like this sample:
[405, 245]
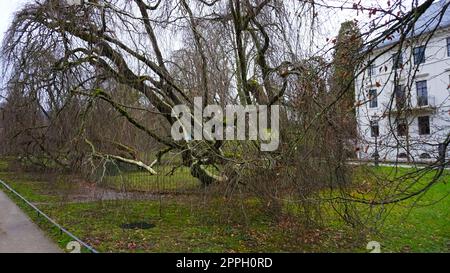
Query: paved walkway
[18, 234]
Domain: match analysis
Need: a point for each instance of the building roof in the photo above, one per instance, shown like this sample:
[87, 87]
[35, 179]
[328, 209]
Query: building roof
[429, 21]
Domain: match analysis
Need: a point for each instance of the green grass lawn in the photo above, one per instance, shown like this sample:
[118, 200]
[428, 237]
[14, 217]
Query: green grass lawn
[178, 230]
[424, 228]
[168, 180]
[179, 226]
[32, 188]
[420, 224]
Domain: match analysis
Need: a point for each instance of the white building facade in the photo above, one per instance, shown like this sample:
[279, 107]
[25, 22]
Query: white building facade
[403, 97]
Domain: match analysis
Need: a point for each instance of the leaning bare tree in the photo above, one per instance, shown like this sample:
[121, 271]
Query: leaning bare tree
[247, 52]
[127, 42]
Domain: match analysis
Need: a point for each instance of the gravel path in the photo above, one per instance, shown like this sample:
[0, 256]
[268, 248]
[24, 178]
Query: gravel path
[18, 234]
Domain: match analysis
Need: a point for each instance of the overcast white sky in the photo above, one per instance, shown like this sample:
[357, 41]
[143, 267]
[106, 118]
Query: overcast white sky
[331, 24]
[7, 9]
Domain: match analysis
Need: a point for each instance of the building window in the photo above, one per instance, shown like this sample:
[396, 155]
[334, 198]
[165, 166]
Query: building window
[424, 125]
[419, 55]
[402, 127]
[400, 96]
[373, 97]
[371, 70]
[397, 60]
[448, 47]
[422, 93]
[374, 128]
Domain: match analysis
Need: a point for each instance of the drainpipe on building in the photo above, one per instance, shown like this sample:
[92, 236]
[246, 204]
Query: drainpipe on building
[376, 155]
